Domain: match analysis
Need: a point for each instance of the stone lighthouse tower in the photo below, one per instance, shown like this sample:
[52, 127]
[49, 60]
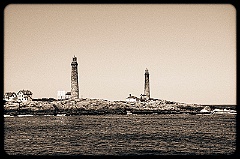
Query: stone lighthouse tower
[146, 86]
[74, 79]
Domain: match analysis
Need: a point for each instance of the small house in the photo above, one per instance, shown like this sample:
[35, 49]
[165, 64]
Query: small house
[132, 99]
[24, 95]
[10, 96]
[61, 95]
[68, 95]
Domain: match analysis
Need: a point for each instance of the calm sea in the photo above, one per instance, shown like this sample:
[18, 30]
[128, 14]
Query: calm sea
[166, 134]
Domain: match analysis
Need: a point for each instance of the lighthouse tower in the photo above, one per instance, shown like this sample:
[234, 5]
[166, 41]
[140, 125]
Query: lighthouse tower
[74, 79]
[146, 86]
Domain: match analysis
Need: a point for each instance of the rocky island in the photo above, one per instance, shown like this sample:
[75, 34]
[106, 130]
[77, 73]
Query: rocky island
[97, 106]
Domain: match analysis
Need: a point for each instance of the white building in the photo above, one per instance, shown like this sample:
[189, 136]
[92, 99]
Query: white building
[24, 95]
[132, 99]
[61, 95]
[68, 95]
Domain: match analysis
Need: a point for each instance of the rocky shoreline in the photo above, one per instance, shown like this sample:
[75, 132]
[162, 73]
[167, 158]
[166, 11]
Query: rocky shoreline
[101, 107]
[96, 107]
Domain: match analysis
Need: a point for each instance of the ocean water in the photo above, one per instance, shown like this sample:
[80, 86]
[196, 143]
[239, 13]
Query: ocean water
[166, 134]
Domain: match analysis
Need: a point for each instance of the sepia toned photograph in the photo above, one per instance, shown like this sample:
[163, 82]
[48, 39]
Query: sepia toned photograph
[119, 79]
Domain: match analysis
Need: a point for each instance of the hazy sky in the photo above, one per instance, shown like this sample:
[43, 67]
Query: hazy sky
[189, 50]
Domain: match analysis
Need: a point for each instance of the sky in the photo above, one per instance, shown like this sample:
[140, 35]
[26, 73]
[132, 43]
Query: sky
[189, 50]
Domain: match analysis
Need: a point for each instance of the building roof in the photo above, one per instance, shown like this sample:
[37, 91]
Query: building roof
[132, 97]
[25, 92]
[10, 94]
[68, 93]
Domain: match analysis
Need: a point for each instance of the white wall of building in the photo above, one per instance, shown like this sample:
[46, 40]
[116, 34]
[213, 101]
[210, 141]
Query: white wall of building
[61, 94]
[24, 98]
[131, 100]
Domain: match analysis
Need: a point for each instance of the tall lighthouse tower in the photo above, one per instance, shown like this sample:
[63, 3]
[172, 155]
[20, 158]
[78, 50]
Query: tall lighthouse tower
[146, 86]
[74, 79]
